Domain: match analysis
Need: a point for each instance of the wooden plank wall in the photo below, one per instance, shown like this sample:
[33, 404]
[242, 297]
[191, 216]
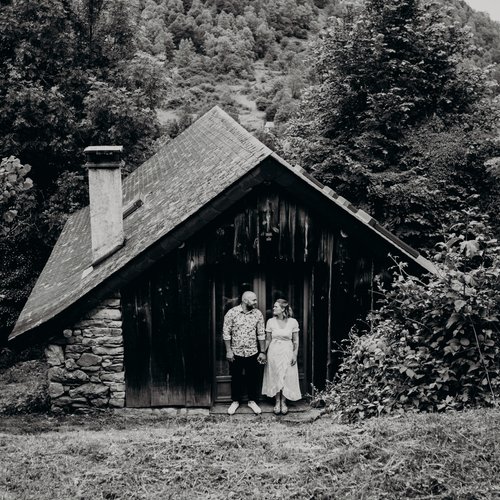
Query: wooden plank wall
[167, 333]
[137, 324]
[167, 384]
[167, 311]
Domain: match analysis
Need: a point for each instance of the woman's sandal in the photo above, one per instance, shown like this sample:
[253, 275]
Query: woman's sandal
[284, 408]
[277, 408]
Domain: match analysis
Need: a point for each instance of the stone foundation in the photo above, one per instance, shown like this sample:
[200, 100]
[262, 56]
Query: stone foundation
[86, 367]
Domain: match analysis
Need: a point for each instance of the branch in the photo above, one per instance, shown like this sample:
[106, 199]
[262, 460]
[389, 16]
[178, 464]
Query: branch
[483, 362]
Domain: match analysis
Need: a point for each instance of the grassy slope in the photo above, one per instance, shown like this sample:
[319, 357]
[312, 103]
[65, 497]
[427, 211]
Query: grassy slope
[419, 456]
[243, 94]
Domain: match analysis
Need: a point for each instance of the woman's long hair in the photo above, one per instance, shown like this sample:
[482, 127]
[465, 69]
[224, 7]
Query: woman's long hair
[287, 310]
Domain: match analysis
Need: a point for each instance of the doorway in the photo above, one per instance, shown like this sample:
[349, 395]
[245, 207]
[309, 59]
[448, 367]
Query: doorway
[289, 281]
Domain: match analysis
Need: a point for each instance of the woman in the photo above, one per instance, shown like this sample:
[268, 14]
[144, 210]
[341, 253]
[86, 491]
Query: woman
[281, 376]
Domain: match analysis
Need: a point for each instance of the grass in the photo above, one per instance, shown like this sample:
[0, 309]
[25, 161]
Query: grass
[109, 456]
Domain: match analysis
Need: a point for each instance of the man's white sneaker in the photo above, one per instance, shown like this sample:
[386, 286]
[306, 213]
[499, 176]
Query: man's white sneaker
[232, 409]
[255, 407]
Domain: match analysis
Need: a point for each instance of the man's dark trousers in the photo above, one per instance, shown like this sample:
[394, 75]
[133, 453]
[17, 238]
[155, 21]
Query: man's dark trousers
[251, 376]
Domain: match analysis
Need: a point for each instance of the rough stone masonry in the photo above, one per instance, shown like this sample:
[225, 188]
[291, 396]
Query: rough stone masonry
[86, 367]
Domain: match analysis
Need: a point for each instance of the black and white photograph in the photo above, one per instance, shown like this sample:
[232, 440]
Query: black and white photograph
[249, 249]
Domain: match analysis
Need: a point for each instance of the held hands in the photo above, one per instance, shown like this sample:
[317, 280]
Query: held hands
[261, 358]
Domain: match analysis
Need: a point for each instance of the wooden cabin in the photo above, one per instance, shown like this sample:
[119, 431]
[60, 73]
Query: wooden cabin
[214, 213]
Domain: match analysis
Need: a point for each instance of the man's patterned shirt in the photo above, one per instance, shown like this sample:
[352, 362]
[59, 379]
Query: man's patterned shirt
[243, 329]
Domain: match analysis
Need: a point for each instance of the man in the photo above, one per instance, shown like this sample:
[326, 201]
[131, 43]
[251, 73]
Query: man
[245, 339]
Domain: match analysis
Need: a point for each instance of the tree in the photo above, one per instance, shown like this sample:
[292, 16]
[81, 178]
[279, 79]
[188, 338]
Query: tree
[14, 193]
[35, 39]
[17, 204]
[230, 50]
[64, 83]
[287, 17]
[172, 8]
[395, 72]
[185, 58]
[51, 54]
[264, 39]
[146, 74]
[182, 28]
[119, 116]
[32, 121]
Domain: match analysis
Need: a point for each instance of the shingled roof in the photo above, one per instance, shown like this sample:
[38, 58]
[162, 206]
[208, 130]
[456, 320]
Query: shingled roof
[191, 172]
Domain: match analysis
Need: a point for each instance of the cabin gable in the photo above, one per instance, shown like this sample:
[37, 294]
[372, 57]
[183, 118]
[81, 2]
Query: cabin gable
[270, 241]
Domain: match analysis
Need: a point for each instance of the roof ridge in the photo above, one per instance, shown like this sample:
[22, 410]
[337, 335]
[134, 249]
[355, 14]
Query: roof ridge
[360, 214]
[223, 114]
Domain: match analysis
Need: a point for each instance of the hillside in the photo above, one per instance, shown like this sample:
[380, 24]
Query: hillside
[253, 57]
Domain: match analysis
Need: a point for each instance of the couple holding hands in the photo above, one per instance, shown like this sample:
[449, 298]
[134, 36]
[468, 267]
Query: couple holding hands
[249, 344]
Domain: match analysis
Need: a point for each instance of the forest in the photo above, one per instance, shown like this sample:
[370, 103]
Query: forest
[394, 104]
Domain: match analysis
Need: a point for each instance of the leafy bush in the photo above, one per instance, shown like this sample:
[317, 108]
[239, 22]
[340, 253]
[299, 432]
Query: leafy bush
[13, 187]
[10, 357]
[262, 103]
[435, 344]
[271, 111]
[23, 388]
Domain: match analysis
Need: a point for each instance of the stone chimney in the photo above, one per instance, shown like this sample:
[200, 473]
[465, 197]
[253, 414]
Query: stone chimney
[105, 192]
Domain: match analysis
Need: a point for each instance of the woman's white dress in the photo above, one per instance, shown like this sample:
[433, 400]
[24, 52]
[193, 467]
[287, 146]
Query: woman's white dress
[279, 374]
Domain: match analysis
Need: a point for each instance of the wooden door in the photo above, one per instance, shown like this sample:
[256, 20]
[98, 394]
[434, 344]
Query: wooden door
[167, 337]
[228, 285]
[269, 283]
[292, 282]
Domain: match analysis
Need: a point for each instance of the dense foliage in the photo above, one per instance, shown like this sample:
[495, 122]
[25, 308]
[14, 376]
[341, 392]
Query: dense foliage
[433, 344]
[14, 192]
[485, 34]
[17, 205]
[398, 120]
[54, 55]
[67, 79]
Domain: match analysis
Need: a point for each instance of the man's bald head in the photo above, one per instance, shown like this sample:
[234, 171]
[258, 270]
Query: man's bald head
[249, 300]
[249, 295]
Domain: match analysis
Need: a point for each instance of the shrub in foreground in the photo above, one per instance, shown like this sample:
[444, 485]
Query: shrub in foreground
[434, 344]
[23, 388]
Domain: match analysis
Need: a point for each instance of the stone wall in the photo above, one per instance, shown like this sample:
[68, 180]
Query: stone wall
[86, 362]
